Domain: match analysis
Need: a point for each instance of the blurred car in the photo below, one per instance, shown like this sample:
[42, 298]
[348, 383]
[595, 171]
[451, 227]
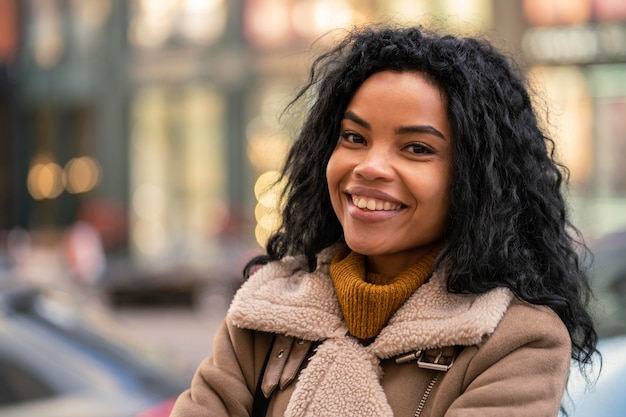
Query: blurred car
[608, 279]
[61, 358]
[606, 397]
[175, 284]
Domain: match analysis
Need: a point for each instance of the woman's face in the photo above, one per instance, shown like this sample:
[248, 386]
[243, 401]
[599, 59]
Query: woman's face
[389, 175]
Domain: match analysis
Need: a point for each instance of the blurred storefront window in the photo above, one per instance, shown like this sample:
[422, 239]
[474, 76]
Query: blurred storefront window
[154, 23]
[609, 85]
[577, 53]
[62, 169]
[294, 21]
[569, 117]
[457, 15]
[47, 38]
[178, 185]
[65, 117]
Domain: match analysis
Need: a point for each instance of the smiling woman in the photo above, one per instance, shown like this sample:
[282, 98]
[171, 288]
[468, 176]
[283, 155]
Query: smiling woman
[423, 222]
[390, 172]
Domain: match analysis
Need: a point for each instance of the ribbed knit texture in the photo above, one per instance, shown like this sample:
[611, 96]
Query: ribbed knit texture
[368, 302]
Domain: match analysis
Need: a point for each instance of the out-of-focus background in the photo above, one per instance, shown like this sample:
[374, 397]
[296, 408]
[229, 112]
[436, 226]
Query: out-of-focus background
[137, 142]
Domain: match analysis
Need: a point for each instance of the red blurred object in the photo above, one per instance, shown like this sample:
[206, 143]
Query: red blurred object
[8, 30]
[162, 409]
[110, 218]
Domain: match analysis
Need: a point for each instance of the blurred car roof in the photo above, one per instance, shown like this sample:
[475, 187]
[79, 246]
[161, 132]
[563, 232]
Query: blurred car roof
[606, 397]
[59, 356]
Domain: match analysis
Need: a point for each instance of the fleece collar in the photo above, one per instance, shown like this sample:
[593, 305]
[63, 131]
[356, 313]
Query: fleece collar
[283, 298]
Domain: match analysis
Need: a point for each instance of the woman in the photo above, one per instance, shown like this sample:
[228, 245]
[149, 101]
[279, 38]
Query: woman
[424, 265]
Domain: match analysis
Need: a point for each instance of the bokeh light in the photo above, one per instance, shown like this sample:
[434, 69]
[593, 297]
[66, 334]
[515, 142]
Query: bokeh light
[267, 189]
[46, 180]
[82, 174]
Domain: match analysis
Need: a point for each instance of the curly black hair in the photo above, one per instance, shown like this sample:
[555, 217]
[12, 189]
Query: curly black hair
[508, 224]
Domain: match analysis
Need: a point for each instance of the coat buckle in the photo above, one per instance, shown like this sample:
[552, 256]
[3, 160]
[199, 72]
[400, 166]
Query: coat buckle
[440, 363]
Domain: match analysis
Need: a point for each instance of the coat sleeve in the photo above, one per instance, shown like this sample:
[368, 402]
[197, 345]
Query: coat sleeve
[224, 383]
[521, 370]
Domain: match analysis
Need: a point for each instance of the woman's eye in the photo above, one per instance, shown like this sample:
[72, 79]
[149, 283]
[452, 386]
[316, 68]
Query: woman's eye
[417, 149]
[352, 137]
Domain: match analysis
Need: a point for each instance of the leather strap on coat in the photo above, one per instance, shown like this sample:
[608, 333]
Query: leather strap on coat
[260, 403]
[281, 367]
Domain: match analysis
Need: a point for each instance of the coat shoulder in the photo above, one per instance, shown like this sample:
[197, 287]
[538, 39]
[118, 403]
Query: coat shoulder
[530, 329]
[532, 322]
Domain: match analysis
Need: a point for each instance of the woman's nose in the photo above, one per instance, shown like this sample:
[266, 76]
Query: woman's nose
[374, 165]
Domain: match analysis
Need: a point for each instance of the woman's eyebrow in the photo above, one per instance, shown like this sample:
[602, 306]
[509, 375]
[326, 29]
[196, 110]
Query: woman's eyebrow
[420, 129]
[401, 130]
[356, 119]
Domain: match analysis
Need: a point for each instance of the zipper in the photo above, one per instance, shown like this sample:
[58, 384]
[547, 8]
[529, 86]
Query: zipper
[429, 388]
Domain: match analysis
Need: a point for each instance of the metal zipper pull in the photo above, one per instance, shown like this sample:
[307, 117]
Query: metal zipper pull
[408, 357]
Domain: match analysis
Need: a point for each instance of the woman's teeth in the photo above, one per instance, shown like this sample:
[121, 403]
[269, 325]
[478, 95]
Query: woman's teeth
[374, 204]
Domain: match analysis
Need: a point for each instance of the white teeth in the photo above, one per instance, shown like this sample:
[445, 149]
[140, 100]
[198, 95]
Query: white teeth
[373, 204]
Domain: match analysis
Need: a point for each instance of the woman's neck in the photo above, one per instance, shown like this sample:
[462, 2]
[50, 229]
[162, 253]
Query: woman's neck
[390, 265]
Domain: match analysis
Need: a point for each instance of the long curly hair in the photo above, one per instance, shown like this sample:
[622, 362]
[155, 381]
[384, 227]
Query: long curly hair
[508, 224]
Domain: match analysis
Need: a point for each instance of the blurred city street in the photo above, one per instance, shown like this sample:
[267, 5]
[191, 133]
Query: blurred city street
[182, 333]
[140, 141]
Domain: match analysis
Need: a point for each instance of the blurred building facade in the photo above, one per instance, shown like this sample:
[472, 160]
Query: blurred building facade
[157, 121]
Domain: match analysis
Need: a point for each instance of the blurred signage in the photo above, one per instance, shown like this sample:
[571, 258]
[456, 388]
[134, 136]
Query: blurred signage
[556, 12]
[599, 43]
[572, 12]
[609, 9]
[8, 30]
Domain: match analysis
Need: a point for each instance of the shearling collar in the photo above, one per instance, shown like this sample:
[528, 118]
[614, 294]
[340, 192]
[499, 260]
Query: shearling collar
[282, 298]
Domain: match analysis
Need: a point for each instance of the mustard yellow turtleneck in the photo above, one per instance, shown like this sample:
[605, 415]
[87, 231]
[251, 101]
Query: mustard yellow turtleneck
[369, 300]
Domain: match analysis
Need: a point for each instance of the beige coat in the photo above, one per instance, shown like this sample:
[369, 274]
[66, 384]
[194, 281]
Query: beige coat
[514, 359]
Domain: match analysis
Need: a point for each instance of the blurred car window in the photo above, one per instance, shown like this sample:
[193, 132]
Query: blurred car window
[20, 384]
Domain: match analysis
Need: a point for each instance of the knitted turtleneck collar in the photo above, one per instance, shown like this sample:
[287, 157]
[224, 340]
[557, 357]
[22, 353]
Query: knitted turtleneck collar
[369, 300]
